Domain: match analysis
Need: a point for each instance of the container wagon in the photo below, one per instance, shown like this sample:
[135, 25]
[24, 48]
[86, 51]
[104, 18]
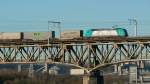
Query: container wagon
[71, 34]
[10, 35]
[38, 35]
[27, 35]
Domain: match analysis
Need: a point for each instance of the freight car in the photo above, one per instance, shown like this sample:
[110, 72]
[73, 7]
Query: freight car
[26, 35]
[117, 32]
[10, 35]
[38, 35]
[71, 34]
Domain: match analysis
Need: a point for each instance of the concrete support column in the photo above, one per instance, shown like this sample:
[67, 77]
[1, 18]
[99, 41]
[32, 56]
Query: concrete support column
[86, 79]
[31, 71]
[142, 64]
[115, 68]
[133, 74]
[119, 70]
[19, 67]
[141, 79]
[46, 67]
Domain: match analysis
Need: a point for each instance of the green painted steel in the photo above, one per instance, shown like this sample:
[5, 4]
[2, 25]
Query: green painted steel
[120, 32]
[87, 33]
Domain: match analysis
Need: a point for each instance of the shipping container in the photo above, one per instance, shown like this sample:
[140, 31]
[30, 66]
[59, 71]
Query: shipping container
[105, 32]
[10, 35]
[71, 34]
[77, 72]
[38, 35]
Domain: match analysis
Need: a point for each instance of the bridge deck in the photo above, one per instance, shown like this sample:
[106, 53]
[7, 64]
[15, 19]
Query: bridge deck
[76, 40]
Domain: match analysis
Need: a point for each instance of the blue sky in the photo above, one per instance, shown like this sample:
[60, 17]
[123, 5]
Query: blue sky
[33, 15]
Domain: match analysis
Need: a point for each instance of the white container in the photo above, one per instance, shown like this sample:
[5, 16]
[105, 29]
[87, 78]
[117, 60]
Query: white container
[37, 35]
[77, 72]
[71, 34]
[10, 35]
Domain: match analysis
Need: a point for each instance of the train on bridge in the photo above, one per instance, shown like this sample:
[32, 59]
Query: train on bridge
[117, 32]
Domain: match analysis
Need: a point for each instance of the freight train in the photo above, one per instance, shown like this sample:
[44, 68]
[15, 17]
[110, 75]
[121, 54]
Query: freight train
[117, 32]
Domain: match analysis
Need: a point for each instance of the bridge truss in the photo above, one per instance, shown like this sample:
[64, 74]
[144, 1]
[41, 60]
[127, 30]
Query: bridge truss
[84, 54]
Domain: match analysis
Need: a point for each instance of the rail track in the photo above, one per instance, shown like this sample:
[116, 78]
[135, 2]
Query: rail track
[76, 40]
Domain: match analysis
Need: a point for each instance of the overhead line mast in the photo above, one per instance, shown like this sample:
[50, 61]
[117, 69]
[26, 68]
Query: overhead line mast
[134, 21]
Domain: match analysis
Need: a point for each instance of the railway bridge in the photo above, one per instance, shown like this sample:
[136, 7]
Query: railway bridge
[87, 53]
